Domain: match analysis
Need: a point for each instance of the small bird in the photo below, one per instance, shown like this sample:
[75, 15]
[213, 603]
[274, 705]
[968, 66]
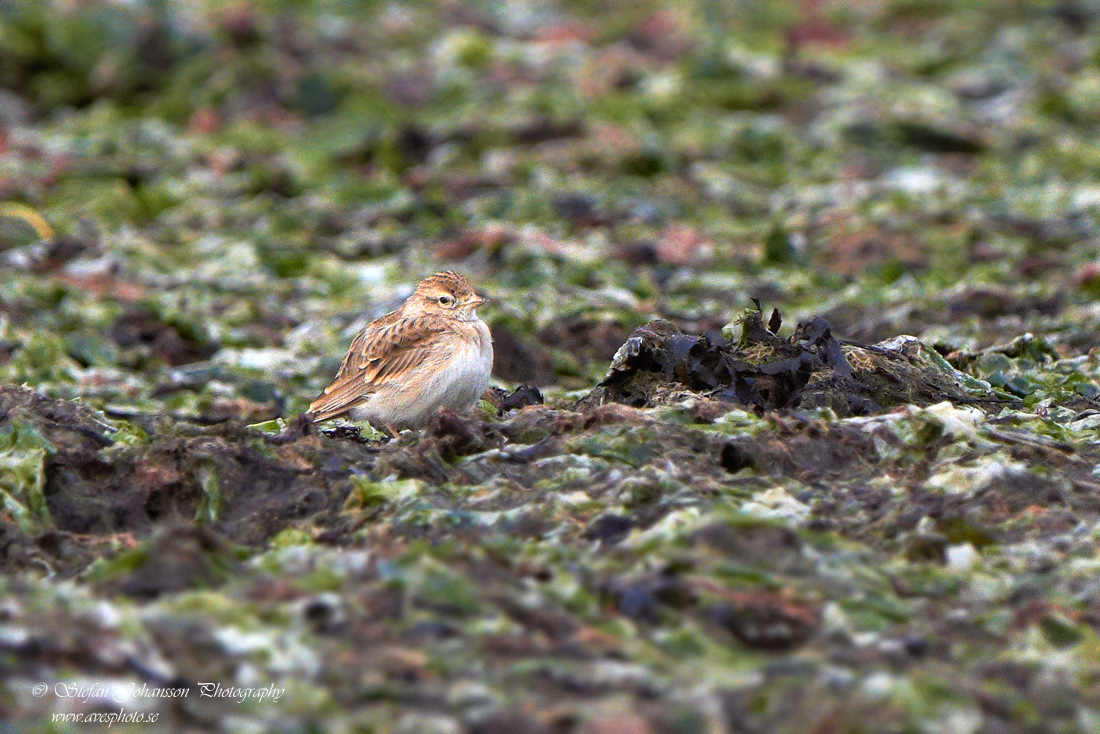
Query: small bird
[432, 353]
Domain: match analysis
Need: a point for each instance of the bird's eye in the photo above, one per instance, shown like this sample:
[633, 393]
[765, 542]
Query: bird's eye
[445, 300]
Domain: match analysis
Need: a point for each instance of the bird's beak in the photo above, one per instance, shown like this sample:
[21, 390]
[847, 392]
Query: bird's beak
[477, 301]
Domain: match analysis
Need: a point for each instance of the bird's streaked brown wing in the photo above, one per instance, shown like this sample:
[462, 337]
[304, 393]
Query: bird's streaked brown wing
[386, 350]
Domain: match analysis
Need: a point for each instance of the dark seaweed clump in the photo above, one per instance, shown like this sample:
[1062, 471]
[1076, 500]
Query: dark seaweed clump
[764, 372]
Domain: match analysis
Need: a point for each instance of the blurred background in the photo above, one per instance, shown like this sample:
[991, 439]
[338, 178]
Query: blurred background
[204, 201]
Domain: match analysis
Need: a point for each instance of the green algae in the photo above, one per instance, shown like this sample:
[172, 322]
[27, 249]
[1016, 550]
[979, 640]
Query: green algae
[23, 455]
[367, 494]
[210, 504]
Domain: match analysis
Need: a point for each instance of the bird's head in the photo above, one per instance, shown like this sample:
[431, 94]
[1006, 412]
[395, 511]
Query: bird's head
[448, 294]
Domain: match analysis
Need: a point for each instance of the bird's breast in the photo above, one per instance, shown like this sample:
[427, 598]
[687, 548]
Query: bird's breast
[473, 358]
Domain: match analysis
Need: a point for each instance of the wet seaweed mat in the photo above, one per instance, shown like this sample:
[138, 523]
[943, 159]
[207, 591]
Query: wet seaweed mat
[878, 513]
[780, 531]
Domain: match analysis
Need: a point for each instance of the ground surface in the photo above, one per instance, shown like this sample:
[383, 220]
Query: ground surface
[730, 524]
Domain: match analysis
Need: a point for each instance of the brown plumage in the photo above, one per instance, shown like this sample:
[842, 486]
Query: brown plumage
[433, 352]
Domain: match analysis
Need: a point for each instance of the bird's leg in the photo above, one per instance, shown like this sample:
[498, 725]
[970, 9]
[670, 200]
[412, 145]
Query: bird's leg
[392, 431]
